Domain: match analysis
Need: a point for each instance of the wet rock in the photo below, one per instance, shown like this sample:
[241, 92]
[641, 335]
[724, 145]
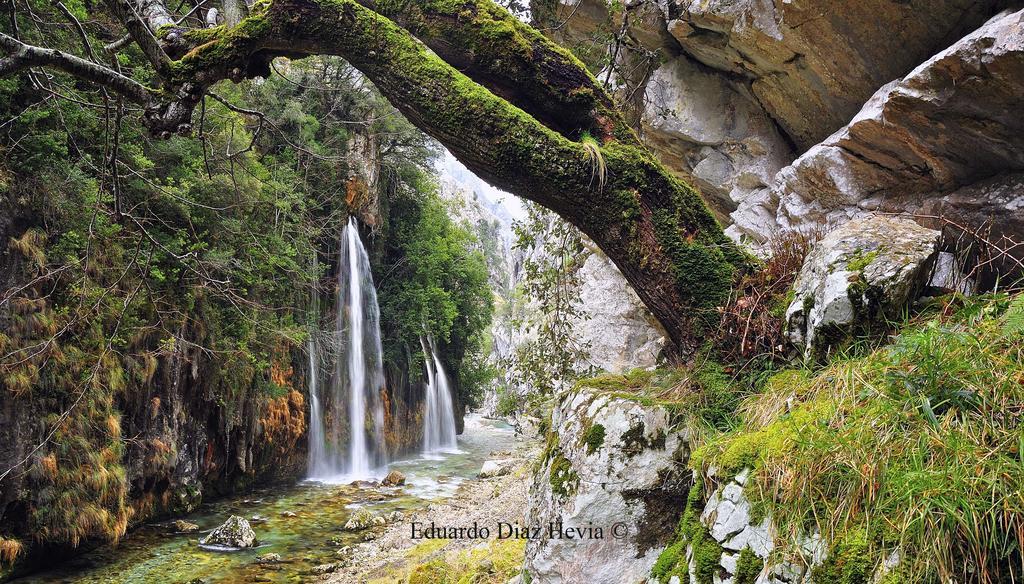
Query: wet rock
[859, 274]
[497, 468]
[182, 526]
[258, 519]
[268, 558]
[233, 533]
[288, 514]
[394, 479]
[361, 519]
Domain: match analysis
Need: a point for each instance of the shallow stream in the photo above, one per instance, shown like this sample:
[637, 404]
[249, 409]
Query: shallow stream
[151, 554]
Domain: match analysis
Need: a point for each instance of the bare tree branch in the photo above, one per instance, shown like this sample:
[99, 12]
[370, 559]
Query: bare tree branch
[23, 56]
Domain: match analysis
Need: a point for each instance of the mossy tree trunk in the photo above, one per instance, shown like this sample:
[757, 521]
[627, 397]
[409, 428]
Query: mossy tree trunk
[518, 110]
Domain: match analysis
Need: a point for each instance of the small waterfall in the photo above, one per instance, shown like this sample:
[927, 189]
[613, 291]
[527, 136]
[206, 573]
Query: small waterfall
[347, 426]
[439, 418]
[317, 440]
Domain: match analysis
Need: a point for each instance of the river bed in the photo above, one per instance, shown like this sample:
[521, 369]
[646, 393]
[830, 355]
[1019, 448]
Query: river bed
[150, 554]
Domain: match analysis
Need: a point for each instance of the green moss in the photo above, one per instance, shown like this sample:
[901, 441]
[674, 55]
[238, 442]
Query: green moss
[748, 567]
[934, 402]
[860, 260]
[563, 479]
[850, 561]
[669, 560]
[593, 438]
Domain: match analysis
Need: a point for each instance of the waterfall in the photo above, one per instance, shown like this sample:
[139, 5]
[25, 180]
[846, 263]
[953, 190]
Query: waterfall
[439, 417]
[347, 424]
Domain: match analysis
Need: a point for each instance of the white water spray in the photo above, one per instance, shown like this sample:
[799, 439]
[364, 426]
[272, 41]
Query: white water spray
[439, 418]
[347, 424]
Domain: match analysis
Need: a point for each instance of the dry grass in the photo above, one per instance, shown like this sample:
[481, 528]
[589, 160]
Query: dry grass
[752, 322]
[10, 549]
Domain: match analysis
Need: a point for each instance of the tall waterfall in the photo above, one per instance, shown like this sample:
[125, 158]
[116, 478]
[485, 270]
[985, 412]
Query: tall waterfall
[439, 418]
[347, 425]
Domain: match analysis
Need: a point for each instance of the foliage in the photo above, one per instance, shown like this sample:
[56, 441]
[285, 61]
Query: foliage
[147, 261]
[942, 403]
[434, 280]
[751, 328]
[545, 305]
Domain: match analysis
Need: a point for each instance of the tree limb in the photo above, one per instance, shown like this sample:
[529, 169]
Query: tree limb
[23, 56]
[656, 229]
[515, 61]
[141, 22]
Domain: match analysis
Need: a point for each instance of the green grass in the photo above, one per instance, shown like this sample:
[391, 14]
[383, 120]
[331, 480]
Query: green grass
[704, 393]
[915, 447]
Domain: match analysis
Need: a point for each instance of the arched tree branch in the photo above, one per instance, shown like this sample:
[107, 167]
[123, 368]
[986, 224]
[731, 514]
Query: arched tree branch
[656, 229]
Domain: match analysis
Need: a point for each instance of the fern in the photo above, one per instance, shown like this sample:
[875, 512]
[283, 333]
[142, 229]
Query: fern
[1013, 320]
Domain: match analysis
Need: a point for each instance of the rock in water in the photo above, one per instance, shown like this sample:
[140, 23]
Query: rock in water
[360, 520]
[182, 526]
[393, 479]
[234, 533]
[496, 468]
[865, 271]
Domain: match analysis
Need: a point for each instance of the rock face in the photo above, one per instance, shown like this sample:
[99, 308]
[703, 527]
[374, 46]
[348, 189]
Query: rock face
[234, 533]
[621, 332]
[949, 123]
[735, 90]
[705, 126]
[864, 271]
[614, 464]
[812, 63]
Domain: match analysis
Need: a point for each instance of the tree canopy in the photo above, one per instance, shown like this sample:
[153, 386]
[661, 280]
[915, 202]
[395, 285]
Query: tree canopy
[517, 109]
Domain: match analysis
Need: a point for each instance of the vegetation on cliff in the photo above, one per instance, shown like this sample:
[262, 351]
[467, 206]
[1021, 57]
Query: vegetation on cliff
[910, 451]
[145, 276]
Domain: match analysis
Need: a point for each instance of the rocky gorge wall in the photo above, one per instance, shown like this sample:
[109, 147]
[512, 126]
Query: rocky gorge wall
[804, 113]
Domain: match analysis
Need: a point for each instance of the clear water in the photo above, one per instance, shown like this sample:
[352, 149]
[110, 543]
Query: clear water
[150, 555]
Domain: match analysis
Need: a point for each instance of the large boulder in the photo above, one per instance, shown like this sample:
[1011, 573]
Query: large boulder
[615, 464]
[861, 273]
[497, 468]
[234, 533]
